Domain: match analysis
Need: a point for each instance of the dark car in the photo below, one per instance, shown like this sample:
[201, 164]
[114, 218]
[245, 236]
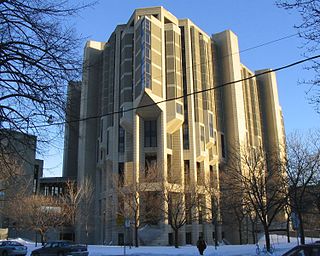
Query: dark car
[304, 250]
[9, 247]
[61, 248]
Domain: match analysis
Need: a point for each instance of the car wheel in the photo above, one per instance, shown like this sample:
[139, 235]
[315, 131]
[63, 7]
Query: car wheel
[5, 253]
[60, 254]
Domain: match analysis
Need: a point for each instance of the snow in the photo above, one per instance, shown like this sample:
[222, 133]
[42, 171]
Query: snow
[279, 243]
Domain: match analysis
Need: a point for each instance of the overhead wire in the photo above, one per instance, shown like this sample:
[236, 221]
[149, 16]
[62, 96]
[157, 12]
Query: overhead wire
[196, 92]
[188, 94]
[222, 57]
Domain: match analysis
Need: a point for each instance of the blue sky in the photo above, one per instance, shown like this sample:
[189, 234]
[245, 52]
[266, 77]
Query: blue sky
[254, 21]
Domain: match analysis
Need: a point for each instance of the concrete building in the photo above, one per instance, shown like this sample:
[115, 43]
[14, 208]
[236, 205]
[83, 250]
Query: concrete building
[147, 97]
[19, 169]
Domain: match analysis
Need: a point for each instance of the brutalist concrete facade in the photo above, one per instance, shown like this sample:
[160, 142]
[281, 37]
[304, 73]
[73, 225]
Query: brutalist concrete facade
[152, 58]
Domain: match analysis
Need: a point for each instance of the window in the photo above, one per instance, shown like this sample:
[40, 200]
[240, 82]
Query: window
[101, 130]
[121, 139]
[121, 174]
[121, 112]
[179, 108]
[169, 171]
[150, 133]
[202, 144]
[120, 239]
[185, 129]
[35, 178]
[211, 176]
[145, 53]
[107, 142]
[188, 238]
[170, 239]
[46, 190]
[186, 172]
[97, 151]
[223, 150]
[211, 131]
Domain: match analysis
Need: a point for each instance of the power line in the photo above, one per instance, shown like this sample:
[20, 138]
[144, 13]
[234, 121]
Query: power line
[225, 56]
[188, 94]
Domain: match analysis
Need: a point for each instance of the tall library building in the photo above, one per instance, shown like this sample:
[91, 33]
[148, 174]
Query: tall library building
[161, 104]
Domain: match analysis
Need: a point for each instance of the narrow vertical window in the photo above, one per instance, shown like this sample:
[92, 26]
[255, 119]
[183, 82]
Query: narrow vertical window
[107, 143]
[150, 133]
[202, 139]
[121, 139]
[97, 151]
[185, 129]
[169, 171]
[211, 176]
[101, 130]
[121, 174]
[223, 149]
[211, 131]
[186, 172]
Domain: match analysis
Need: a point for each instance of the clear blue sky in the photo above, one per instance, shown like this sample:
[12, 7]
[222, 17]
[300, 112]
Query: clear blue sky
[254, 22]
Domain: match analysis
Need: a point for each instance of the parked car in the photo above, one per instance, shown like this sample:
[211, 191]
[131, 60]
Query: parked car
[61, 248]
[9, 247]
[304, 250]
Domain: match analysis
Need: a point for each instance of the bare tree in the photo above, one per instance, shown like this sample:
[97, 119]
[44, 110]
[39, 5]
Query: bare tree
[303, 167]
[262, 185]
[132, 196]
[181, 208]
[36, 212]
[77, 201]
[309, 30]
[71, 200]
[38, 57]
[234, 208]
[211, 188]
[87, 193]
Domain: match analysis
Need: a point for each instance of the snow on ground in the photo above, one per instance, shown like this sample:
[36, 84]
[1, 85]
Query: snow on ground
[279, 242]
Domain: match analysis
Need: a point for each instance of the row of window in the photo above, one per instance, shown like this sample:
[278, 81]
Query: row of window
[52, 190]
[150, 138]
[146, 54]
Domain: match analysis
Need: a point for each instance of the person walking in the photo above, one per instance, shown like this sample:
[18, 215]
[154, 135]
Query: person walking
[201, 245]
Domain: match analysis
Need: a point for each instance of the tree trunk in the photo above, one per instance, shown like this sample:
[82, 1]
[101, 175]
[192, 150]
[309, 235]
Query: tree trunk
[136, 239]
[176, 240]
[87, 233]
[288, 230]
[301, 229]
[267, 237]
[42, 238]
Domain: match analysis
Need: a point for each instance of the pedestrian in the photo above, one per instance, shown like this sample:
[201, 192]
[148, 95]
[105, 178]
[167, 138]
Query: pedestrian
[201, 245]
